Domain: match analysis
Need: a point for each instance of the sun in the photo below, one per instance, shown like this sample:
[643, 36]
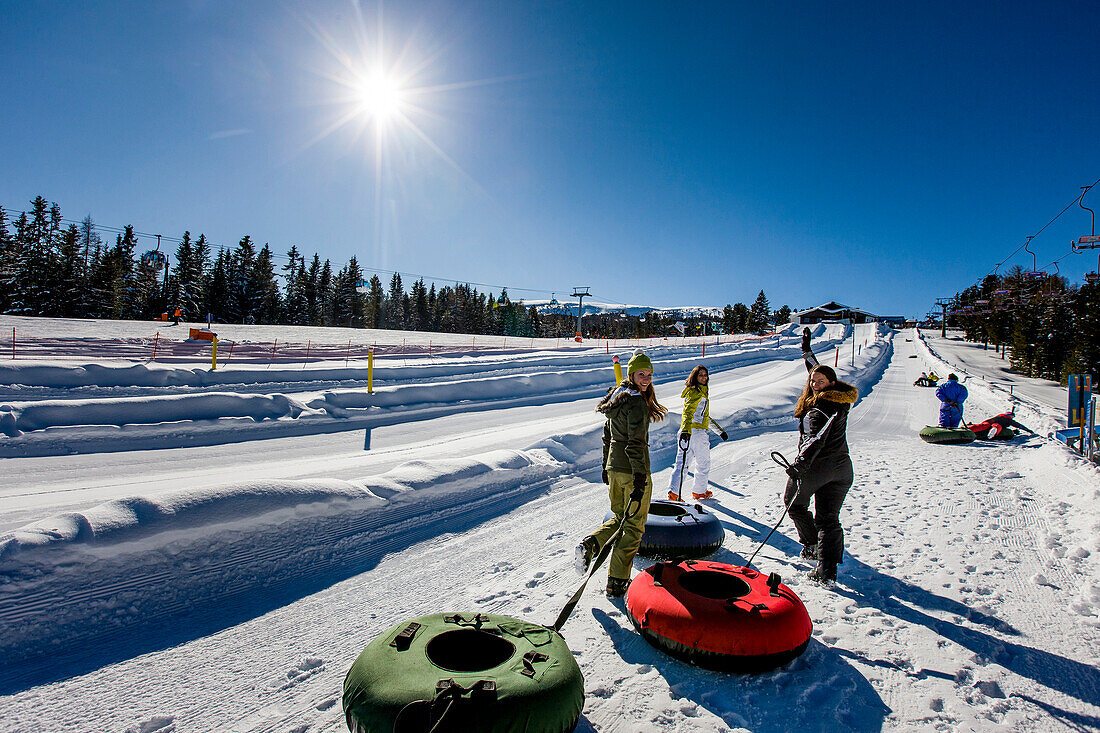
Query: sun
[380, 96]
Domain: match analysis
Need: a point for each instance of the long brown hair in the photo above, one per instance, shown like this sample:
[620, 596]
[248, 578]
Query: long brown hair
[657, 411]
[806, 399]
[693, 378]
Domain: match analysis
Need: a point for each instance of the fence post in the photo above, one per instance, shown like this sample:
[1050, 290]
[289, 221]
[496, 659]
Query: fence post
[370, 370]
[618, 369]
[214, 355]
[155, 341]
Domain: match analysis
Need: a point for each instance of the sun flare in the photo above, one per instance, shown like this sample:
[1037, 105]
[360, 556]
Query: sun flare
[380, 97]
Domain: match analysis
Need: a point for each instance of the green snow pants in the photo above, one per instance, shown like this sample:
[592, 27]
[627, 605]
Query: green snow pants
[622, 557]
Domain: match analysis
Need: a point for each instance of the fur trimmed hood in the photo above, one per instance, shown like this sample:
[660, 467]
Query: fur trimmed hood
[616, 397]
[841, 393]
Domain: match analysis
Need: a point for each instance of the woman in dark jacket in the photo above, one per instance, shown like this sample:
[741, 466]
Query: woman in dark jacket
[629, 408]
[823, 469]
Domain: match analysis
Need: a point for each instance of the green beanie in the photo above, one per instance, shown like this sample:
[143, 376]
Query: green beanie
[638, 361]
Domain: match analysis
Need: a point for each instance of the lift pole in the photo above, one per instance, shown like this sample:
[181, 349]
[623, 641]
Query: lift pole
[580, 307]
[943, 303]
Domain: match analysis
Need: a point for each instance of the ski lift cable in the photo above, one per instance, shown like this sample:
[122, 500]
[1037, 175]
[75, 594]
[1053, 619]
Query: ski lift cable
[1027, 241]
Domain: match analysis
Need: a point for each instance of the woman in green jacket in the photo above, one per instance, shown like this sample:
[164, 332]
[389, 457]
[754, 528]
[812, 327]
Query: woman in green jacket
[629, 408]
[694, 443]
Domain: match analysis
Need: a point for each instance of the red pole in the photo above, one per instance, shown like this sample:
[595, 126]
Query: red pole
[348, 355]
[836, 360]
[429, 348]
[155, 340]
[704, 349]
[231, 345]
[13, 342]
[307, 353]
[273, 350]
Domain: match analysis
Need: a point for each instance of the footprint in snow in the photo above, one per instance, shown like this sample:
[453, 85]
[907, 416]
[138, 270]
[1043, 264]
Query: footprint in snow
[155, 724]
[300, 672]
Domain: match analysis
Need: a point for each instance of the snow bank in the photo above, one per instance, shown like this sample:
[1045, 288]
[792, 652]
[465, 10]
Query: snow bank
[579, 380]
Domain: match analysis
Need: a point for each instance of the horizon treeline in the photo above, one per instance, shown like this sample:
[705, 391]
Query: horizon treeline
[50, 269]
[1048, 327]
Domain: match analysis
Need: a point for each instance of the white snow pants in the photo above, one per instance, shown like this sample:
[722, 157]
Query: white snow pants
[698, 455]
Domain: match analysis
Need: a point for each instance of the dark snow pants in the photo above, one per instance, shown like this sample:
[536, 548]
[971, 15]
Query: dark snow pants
[827, 482]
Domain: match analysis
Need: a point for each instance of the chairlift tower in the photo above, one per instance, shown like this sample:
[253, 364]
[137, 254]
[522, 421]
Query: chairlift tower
[580, 306]
[943, 303]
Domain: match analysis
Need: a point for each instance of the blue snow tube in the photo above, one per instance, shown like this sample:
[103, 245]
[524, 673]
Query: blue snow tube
[675, 530]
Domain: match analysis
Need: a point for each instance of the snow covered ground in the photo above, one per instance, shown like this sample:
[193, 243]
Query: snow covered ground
[191, 555]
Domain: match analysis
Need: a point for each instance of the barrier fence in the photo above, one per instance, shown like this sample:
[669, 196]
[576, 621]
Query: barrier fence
[162, 349]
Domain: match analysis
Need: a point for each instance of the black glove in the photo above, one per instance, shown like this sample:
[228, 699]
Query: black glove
[724, 436]
[606, 480]
[793, 473]
[806, 339]
[685, 439]
[639, 487]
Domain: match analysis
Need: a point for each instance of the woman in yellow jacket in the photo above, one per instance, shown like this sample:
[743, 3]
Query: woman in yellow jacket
[694, 444]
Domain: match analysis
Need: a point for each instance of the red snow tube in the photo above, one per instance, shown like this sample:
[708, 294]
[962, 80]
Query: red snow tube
[718, 616]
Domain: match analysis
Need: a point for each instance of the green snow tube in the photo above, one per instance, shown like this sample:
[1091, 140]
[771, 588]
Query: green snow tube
[447, 672]
[948, 436]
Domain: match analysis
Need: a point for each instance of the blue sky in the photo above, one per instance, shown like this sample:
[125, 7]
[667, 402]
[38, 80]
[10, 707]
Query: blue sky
[662, 153]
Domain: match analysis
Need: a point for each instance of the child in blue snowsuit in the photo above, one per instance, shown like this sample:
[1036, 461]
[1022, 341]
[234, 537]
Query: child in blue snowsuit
[952, 395]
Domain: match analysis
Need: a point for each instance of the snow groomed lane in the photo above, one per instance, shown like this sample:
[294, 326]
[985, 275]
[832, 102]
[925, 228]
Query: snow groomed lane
[73, 482]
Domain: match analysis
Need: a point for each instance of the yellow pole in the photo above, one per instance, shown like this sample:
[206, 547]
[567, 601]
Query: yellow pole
[370, 370]
[618, 370]
[214, 355]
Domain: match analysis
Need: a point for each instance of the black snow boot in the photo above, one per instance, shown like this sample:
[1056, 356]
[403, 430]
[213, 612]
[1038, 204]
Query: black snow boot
[824, 573]
[582, 556]
[809, 552]
[616, 587]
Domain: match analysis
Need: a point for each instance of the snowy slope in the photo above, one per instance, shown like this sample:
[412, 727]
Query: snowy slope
[969, 599]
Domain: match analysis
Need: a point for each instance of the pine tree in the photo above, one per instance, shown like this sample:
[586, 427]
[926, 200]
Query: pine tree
[311, 293]
[243, 298]
[372, 309]
[37, 279]
[91, 294]
[325, 296]
[189, 276]
[217, 291]
[71, 278]
[759, 315]
[419, 315]
[1085, 358]
[10, 266]
[783, 315]
[124, 291]
[263, 288]
[393, 308]
[295, 307]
